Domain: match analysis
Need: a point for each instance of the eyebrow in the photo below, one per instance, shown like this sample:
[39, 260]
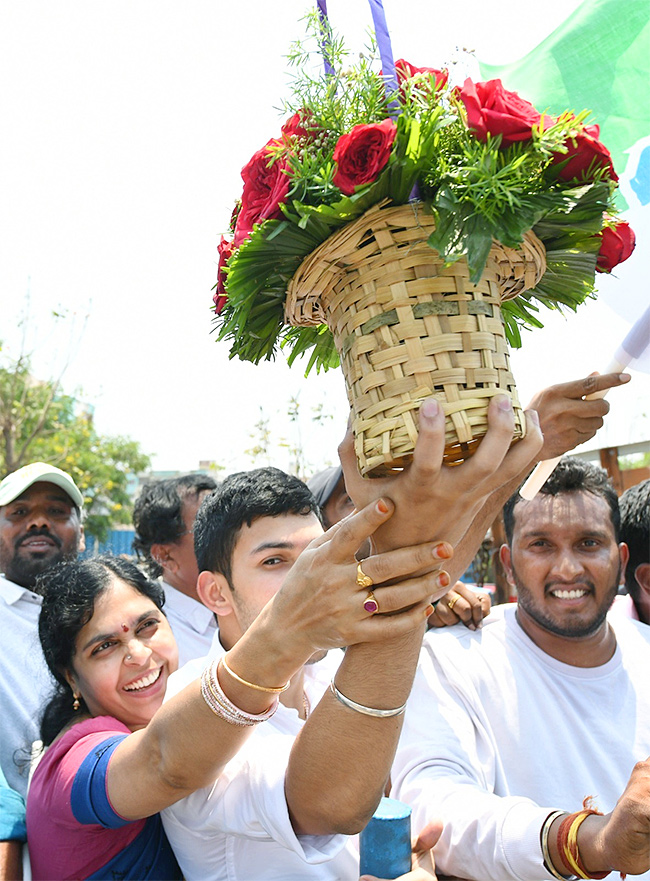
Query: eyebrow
[51, 497]
[273, 546]
[543, 532]
[104, 636]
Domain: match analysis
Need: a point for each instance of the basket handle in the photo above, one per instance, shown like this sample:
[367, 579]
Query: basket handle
[383, 44]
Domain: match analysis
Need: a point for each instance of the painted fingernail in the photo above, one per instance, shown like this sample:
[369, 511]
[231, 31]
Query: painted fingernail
[504, 402]
[430, 408]
[443, 551]
[443, 579]
[382, 507]
[428, 611]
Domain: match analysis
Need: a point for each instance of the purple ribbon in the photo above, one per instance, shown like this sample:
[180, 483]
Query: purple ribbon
[383, 44]
[385, 49]
[324, 41]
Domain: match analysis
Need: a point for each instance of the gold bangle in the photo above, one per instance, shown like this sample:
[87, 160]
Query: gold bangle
[252, 685]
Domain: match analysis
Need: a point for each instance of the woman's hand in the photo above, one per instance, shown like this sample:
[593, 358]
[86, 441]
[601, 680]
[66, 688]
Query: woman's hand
[321, 603]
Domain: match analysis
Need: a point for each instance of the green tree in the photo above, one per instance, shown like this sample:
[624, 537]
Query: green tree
[38, 422]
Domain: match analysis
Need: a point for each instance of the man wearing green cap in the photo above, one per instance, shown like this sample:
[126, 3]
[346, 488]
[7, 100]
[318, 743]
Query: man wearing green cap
[40, 525]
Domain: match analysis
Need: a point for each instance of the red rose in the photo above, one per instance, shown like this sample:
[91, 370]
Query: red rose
[405, 71]
[362, 154]
[585, 155]
[617, 243]
[225, 249]
[493, 110]
[300, 125]
[266, 185]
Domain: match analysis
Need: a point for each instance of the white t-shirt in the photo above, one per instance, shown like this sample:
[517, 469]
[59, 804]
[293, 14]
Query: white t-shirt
[239, 829]
[497, 734]
[25, 681]
[192, 624]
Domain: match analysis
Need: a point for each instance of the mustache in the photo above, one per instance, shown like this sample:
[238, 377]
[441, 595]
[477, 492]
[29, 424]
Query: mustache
[34, 533]
[564, 585]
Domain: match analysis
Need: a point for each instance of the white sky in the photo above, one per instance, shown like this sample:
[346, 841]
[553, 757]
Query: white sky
[124, 128]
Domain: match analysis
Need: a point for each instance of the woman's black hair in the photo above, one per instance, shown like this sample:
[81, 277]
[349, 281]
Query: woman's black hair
[69, 593]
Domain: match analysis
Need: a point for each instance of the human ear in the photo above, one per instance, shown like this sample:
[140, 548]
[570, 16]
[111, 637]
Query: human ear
[214, 592]
[506, 561]
[642, 575]
[82, 540]
[161, 554]
[624, 556]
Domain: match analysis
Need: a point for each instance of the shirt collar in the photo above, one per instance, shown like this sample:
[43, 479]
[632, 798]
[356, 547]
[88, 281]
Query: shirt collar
[193, 612]
[13, 593]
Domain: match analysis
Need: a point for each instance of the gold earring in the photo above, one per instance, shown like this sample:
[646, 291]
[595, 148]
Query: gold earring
[75, 702]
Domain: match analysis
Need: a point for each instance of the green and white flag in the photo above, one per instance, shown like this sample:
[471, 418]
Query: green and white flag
[599, 59]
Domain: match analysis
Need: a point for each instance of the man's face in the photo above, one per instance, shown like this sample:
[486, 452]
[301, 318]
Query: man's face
[38, 529]
[338, 506]
[565, 562]
[184, 572]
[264, 553]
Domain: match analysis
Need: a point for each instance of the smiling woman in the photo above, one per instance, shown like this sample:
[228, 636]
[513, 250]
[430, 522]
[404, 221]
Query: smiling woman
[116, 756]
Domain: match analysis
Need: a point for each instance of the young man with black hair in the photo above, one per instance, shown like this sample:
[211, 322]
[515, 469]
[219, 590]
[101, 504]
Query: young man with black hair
[509, 730]
[163, 517]
[339, 719]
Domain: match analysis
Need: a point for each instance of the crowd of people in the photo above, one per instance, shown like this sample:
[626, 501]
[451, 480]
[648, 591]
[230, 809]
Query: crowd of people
[235, 705]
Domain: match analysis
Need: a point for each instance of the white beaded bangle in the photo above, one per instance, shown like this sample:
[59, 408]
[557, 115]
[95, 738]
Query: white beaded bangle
[222, 706]
[360, 708]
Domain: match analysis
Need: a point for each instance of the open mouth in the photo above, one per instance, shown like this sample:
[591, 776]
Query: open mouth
[573, 594]
[144, 681]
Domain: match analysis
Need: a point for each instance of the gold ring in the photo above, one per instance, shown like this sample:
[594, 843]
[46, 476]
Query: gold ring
[452, 602]
[370, 603]
[362, 579]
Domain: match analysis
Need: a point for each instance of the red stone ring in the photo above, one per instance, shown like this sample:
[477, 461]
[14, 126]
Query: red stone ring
[370, 604]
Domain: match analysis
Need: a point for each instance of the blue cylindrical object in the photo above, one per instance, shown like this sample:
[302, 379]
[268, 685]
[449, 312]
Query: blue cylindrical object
[385, 843]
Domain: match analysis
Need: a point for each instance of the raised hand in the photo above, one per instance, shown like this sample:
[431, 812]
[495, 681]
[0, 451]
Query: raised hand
[567, 418]
[321, 603]
[436, 501]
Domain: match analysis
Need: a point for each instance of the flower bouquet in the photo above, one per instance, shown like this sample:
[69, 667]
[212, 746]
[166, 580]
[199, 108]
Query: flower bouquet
[409, 231]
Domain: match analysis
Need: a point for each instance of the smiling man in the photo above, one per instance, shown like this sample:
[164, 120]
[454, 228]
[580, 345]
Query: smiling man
[40, 525]
[508, 730]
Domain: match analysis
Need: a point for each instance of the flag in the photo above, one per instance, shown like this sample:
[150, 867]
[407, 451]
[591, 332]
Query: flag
[598, 59]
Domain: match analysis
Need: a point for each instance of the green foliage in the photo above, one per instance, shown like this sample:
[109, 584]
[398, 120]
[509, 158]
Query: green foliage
[478, 192]
[38, 422]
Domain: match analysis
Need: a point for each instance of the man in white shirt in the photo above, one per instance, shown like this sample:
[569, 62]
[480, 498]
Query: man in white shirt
[40, 525]
[163, 517]
[509, 729]
[248, 534]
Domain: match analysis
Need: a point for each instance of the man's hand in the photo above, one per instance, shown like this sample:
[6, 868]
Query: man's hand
[618, 841]
[461, 603]
[566, 418]
[423, 865]
[433, 500]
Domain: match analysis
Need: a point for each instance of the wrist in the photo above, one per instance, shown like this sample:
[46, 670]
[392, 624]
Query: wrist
[270, 651]
[575, 846]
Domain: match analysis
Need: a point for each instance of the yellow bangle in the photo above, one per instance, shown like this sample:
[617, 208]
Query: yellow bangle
[252, 685]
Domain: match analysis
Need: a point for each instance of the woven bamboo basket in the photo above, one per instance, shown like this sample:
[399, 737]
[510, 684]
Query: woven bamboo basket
[407, 327]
